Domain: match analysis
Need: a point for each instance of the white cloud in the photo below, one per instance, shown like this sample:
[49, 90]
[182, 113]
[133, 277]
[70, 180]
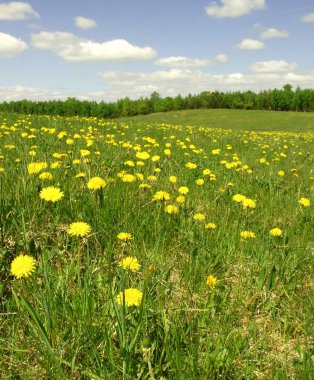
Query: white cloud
[174, 81]
[309, 17]
[116, 85]
[274, 33]
[16, 10]
[272, 66]
[221, 58]
[234, 8]
[10, 45]
[248, 44]
[183, 62]
[84, 23]
[20, 92]
[76, 49]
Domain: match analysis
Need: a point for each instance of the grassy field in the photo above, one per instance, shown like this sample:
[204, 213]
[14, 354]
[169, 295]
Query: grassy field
[234, 119]
[170, 246]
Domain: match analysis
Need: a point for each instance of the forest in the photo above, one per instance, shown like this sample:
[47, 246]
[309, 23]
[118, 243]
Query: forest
[285, 99]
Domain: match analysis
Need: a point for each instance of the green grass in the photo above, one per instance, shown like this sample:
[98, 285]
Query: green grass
[63, 321]
[240, 120]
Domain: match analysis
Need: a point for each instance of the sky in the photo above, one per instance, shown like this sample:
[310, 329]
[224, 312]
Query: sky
[105, 50]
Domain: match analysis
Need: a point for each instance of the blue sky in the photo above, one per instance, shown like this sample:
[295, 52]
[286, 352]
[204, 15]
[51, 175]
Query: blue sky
[109, 49]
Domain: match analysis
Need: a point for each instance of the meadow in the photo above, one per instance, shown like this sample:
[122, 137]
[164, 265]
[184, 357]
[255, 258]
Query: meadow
[168, 246]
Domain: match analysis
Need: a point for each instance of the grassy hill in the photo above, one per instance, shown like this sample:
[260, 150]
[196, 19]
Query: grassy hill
[234, 119]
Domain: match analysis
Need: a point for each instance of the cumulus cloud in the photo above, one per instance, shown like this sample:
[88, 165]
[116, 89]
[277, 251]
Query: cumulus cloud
[174, 81]
[21, 92]
[184, 62]
[10, 45]
[85, 23]
[221, 58]
[75, 49]
[234, 8]
[272, 66]
[274, 33]
[309, 17]
[16, 10]
[249, 44]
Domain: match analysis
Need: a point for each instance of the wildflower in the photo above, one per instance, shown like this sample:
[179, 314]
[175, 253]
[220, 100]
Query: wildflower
[96, 183]
[206, 172]
[155, 158]
[281, 173]
[51, 194]
[180, 199]
[80, 175]
[211, 281]
[124, 236]
[199, 216]
[161, 196]
[210, 226]
[247, 234]
[144, 186]
[173, 179]
[131, 263]
[248, 203]
[239, 198]
[183, 190]
[128, 178]
[152, 178]
[129, 163]
[171, 209]
[275, 232]
[200, 182]
[36, 167]
[190, 165]
[167, 152]
[215, 151]
[22, 266]
[131, 297]
[45, 175]
[79, 229]
[142, 155]
[305, 202]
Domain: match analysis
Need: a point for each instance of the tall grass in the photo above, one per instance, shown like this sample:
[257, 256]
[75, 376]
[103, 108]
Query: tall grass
[64, 321]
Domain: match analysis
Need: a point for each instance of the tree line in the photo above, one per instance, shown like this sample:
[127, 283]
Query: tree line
[285, 99]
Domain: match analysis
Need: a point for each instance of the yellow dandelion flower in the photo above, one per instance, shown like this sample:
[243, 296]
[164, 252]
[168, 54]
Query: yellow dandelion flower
[281, 173]
[129, 178]
[79, 229]
[239, 198]
[211, 281]
[23, 266]
[275, 232]
[247, 234]
[190, 165]
[51, 194]
[199, 182]
[210, 226]
[248, 203]
[206, 172]
[143, 155]
[155, 158]
[304, 202]
[199, 216]
[124, 236]
[96, 183]
[183, 190]
[173, 179]
[45, 175]
[131, 297]
[80, 175]
[180, 199]
[161, 196]
[131, 263]
[172, 209]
